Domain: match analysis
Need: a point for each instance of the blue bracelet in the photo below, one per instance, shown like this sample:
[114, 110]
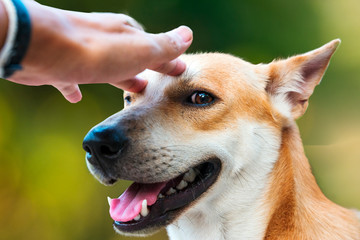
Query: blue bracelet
[21, 41]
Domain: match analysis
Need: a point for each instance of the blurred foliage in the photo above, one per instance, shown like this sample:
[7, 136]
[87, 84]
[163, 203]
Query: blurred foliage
[46, 191]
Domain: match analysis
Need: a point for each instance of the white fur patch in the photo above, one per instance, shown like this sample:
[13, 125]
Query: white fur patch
[292, 83]
[282, 105]
[232, 207]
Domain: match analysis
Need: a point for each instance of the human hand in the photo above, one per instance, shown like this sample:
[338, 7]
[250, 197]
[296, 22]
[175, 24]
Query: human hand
[71, 48]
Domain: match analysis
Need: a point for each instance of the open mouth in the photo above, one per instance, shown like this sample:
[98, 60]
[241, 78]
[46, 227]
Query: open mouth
[144, 206]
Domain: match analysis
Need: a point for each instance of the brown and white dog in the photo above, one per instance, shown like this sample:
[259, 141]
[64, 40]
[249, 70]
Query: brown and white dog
[216, 154]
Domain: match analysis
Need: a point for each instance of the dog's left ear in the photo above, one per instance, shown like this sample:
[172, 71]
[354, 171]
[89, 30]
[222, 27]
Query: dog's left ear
[292, 81]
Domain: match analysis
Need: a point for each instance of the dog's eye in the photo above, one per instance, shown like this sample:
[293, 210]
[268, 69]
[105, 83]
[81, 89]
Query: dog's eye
[127, 99]
[201, 98]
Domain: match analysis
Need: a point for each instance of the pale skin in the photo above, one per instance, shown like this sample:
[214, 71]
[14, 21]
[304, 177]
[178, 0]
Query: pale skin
[69, 48]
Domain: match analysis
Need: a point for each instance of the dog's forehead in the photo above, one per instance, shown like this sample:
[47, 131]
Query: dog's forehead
[213, 70]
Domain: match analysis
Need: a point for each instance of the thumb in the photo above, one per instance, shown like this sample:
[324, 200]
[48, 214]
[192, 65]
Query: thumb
[171, 45]
[70, 92]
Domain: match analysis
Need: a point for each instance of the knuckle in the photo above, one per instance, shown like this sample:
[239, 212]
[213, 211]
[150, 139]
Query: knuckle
[132, 22]
[149, 48]
[173, 45]
[162, 68]
[160, 48]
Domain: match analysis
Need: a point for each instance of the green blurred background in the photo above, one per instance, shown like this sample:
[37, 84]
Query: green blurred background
[46, 191]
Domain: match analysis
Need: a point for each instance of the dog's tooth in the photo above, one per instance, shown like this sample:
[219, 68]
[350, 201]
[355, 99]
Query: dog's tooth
[109, 200]
[137, 218]
[170, 191]
[144, 209]
[161, 196]
[190, 175]
[183, 184]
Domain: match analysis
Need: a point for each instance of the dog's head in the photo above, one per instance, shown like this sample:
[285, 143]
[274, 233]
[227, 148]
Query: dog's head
[185, 141]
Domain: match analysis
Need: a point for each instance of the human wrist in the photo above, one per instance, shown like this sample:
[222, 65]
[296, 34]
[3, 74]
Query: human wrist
[50, 35]
[4, 22]
[17, 38]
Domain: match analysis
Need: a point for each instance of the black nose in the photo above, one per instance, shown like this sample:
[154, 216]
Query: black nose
[104, 142]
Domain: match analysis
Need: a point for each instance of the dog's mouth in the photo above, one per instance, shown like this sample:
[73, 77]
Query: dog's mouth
[144, 206]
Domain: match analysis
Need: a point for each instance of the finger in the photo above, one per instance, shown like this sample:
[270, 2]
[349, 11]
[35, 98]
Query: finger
[172, 68]
[171, 45]
[71, 93]
[135, 84]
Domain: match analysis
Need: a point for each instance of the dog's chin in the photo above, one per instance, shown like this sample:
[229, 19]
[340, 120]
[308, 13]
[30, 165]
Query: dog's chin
[169, 206]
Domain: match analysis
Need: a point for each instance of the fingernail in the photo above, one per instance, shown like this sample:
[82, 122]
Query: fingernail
[185, 33]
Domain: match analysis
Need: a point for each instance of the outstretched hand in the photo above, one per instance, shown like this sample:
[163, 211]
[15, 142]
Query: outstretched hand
[71, 48]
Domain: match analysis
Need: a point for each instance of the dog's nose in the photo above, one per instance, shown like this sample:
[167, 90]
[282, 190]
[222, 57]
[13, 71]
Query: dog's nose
[104, 142]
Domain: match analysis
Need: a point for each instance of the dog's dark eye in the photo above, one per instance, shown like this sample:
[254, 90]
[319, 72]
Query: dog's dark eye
[127, 99]
[201, 98]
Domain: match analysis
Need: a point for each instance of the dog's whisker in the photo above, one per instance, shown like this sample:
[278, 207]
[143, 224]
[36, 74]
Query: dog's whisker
[179, 147]
[261, 137]
[248, 177]
[189, 219]
[240, 177]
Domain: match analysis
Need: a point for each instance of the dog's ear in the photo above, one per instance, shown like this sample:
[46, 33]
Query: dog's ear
[292, 81]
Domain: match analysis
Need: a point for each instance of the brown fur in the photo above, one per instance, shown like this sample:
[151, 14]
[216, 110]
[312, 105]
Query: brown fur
[222, 74]
[300, 210]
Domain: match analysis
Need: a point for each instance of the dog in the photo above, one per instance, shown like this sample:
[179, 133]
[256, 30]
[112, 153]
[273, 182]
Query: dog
[215, 153]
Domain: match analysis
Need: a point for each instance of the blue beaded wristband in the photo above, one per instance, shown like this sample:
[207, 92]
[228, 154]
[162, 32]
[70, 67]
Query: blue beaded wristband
[19, 43]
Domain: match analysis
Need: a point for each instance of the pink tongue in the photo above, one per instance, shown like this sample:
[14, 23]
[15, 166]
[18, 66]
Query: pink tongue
[128, 205]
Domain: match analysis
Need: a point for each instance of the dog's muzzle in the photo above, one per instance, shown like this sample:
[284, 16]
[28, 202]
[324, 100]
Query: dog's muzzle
[164, 184]
[103, 146]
